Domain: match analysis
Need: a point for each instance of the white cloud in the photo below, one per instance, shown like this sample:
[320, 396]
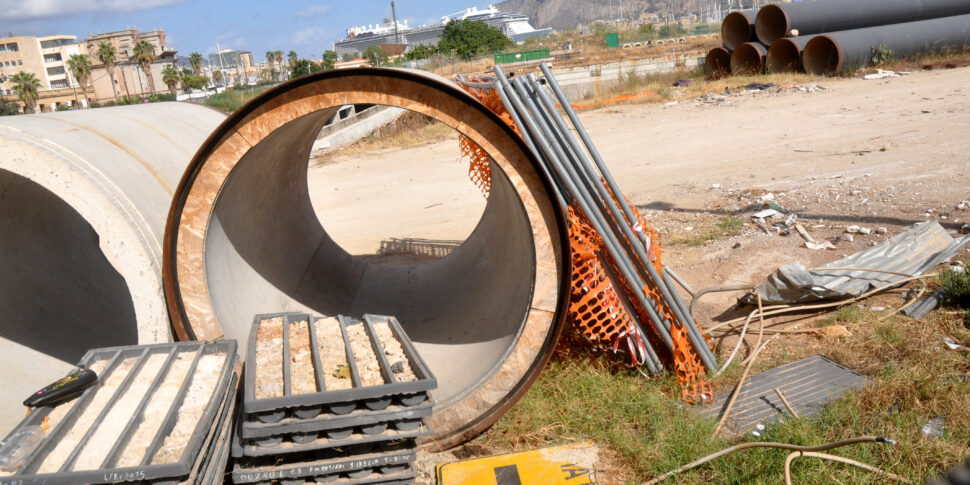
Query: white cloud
[316, 10]
[309, 36]
[34, 9]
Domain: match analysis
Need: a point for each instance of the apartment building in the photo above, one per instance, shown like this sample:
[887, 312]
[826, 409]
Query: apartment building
[46, 58]
[129, 79]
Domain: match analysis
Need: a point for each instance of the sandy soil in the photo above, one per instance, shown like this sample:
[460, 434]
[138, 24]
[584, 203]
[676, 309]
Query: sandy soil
[837, 152]
[394, 352]
[333, 354]
[190, 412]
[269, 359]
[302, 375]
[367, 363]
[156, 410]
[109, 386]
[108, 433]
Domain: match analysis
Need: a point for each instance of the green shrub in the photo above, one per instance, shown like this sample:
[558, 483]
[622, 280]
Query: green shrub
[956, 288]
[882, 55]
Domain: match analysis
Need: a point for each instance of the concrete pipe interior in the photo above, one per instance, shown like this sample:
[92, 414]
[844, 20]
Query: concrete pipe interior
[771, 24]
[735, 29]
[484, 316]
[748, 58]
[822, 56]
[783, 56]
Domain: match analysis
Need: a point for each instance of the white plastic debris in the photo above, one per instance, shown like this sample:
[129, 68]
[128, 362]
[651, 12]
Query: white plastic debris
[819, 245]
[881, 74]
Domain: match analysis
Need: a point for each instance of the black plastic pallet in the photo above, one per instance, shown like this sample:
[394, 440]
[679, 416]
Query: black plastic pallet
[285, 445]
[390, 459]
[217, 457]
[404, 477]
[145, 472]
[337, 402]
[334, 424]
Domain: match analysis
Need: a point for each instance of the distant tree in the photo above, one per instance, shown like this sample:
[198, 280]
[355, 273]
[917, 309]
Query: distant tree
[303, 67]
[375, 55]
[8, 107]
[217, 76]
[468, 38]
[420, 52]
[270, 62]
[107, 54]
[80, 66]
[266, 75]
[329, 60]
[675, 30]
[291, 58]
[648, 30]
[278, 57]
[195, 60]
[191, 81]
[170, 76]
[145, 55]
[347, 57]
[26, 84]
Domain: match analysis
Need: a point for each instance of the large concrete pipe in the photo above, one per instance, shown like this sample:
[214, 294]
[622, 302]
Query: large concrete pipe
[785, 55]
[749, 58]
[243, 238]
[738, 28]
[778, 20]
[83, 200]
[829, 54]
[717, 64]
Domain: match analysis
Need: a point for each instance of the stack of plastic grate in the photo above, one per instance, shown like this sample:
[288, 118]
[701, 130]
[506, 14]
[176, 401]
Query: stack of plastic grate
[330, 399]
[158, 414]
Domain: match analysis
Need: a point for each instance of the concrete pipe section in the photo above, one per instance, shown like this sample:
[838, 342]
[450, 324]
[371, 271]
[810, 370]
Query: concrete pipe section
[243, 238]
[83, 199]
[749, 58]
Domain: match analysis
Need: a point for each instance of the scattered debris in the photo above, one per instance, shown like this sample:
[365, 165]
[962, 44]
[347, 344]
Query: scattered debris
[922, 307]
[881, 74]
[759, 86]
[683, 83]
[805, 235]
[933, 428]
[952, 345]
[918, 248]
[765, 214]
[819, 245]
[882, 231]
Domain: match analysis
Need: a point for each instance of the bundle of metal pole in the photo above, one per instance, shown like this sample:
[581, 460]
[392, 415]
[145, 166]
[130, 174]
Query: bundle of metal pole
[582, 183]
[779, 20]
[640, 250]
[830, 53]
[738, 28]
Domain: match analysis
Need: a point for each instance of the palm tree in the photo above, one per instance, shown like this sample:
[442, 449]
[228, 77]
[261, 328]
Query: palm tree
[278, 57]
[80, 66]
[270, 58]
[195, 60]
[170, 76]
[26, 85]
[145, 55]
[107, 54]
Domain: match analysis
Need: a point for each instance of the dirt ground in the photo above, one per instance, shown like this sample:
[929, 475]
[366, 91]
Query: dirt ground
[837, 152]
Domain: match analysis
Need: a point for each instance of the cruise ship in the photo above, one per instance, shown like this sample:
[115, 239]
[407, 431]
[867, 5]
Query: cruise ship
[359, 38]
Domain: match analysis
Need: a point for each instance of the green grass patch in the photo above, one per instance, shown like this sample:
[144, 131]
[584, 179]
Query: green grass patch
[231, 100]
[584, 396]
[844, 315]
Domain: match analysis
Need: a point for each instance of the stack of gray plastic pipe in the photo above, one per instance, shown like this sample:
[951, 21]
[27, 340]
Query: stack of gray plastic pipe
[578, 179]
[852, 28]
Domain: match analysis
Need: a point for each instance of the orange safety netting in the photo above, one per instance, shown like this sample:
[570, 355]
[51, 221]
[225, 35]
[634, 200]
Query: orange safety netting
[596, 308]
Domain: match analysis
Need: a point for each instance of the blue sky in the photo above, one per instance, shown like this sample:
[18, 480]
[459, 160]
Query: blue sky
[308, 27]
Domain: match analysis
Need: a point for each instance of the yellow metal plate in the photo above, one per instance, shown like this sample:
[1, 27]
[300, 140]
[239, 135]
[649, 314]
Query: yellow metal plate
[568, 464]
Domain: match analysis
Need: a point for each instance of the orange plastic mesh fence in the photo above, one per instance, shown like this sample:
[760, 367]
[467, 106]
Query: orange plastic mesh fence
[595, 306]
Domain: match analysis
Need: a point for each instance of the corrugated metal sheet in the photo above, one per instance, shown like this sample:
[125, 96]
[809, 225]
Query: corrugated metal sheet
[808, 385]
[913, 251]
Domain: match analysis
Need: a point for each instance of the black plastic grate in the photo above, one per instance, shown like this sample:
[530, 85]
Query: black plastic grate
[108, 471]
